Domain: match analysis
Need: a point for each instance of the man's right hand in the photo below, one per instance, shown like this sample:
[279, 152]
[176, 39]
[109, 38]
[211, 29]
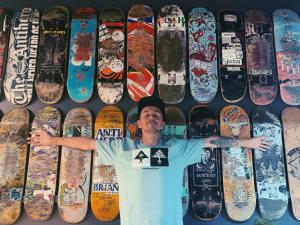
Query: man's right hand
[41, 137]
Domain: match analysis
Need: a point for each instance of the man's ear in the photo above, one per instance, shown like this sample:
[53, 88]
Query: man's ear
[138, 122]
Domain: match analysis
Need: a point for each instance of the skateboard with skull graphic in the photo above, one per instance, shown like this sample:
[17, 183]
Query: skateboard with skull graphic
[237, 164]
[205, 177]
[291, 133]
[203, 69]
[75, 167]
[270, 176]
[105, 188]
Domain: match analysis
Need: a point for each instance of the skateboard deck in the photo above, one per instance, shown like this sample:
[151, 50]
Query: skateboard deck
[51, 68]
[22, 57]
[291, 133]
[287, 37]
[203, 69]
[140, 52]
[5, 15]
[42, 168]
[171, 54]
[80, 81]
[175, 127]
[261, 69]
[271, 182]
[75, 166]
[132, 130]
[105, 187]
[232, 59]
[14, 129]
[204, 177]
[110, 78]
[237, 165]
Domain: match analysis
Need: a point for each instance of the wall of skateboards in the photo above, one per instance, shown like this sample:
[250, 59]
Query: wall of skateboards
[212, 69]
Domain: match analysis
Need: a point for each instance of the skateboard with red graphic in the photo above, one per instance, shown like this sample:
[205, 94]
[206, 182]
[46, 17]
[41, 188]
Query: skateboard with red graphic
[171, 54]
[140, 52]
[80, 81]
[237, 165]
[205, 176]
[111, 39]
[262, 75]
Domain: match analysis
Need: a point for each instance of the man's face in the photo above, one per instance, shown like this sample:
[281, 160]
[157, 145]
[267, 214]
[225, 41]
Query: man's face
[151, 119]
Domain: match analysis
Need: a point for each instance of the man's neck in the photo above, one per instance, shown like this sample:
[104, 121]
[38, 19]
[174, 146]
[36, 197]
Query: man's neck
[151, 139]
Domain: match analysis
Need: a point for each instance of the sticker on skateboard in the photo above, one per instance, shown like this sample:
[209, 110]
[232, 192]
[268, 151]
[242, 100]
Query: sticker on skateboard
[205, 176]
[80, 81]
[237, 165]
[287, 37]
[203, 68]
[75, 166]
[52, 63]
[270, 176]
[22, 57]
[261, 69]
[140, 52]
[232, 60]
[42, 168]
[171, 54]
[291, 133]
[110, 77]
[14, 129]
[105, 187]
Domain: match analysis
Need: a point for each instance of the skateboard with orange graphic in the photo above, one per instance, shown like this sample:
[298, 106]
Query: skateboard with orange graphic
[105, 188]
[237, 164]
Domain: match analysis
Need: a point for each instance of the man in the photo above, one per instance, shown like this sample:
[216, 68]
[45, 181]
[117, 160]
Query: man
[149, 170]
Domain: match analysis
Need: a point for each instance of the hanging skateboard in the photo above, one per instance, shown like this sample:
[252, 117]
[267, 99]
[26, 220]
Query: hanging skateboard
[170, 52]
[204, 177]
[22, 57]
[80, 81]
[291, 133]
[109, 125]
[132, 130]
[140, 52]
[232, 65]
[271, 183]
[75, 165]
[5, 15]
[51, 67]
[287, 37]
[14, 129]
[110, 77]
[203, 70]
[42, 168]
[237, 165]
[175, 127]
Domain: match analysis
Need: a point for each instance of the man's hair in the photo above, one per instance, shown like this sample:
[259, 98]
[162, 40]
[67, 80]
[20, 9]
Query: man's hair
[151, 101]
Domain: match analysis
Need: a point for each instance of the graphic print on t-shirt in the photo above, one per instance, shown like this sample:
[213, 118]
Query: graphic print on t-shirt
[150, 157]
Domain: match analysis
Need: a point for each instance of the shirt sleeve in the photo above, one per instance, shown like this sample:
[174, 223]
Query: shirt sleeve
[107, 151]
[192, 151]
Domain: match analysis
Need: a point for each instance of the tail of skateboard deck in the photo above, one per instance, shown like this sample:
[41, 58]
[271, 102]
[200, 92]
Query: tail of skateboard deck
[170, 53]
[14, 129]
[232, 64]
[261, 69]
[75, 167]
[109, 125]
[52, 62]
[42, 168]
[5, 15]
[291, 133]
[80, 81]
[203, 68]
[271, 181]
[287, 37]
[22, 57]
[237, 165]
[110, 77]
[205, 176]
[140, 52]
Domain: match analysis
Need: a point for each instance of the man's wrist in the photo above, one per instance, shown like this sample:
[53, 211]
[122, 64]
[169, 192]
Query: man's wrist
[54, 141]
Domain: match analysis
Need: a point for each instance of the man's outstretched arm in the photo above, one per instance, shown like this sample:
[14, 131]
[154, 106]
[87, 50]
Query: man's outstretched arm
[42, 138]
[260, 143]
